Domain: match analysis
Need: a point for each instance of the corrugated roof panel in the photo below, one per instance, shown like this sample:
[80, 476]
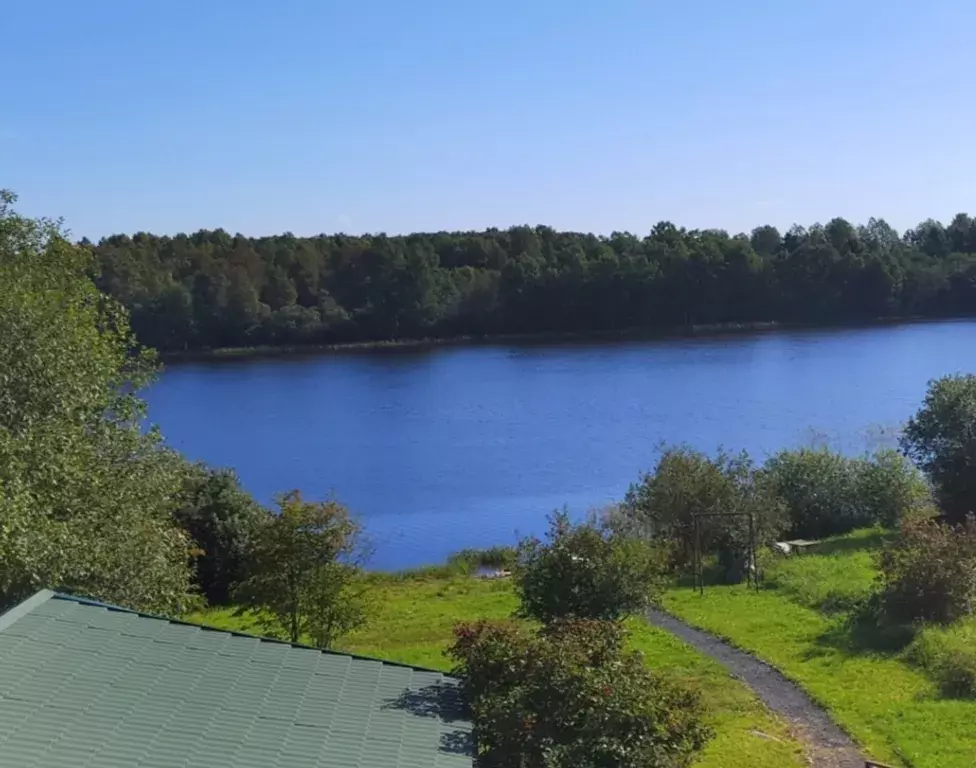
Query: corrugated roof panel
[89, 685]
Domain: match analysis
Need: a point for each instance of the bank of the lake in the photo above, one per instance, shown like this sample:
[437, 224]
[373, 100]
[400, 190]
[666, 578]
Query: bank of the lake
[440, 448]
[627, 334]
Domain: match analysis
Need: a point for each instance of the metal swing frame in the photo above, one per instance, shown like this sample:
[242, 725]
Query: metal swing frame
[752, 574]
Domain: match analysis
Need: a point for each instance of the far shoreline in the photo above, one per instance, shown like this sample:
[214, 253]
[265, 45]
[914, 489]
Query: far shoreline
[632, 334]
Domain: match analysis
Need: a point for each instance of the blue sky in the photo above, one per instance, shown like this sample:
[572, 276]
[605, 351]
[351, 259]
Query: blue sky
[378, 115]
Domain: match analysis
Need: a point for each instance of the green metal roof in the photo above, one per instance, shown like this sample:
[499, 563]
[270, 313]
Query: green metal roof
[86, 684]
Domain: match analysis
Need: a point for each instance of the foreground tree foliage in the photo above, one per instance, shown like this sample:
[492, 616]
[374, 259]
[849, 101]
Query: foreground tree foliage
[86, 496]
[223, 521]
[305, 580]
[586, 571]
[941, 439]
[570, 696]
[213, 289]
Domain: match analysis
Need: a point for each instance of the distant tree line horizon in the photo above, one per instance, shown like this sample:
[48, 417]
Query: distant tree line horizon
[211, 289]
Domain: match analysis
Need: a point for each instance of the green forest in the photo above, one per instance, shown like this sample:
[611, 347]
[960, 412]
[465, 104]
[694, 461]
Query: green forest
[212, 289]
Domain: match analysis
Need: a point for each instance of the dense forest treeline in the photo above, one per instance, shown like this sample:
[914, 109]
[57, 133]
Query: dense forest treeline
[213, 289]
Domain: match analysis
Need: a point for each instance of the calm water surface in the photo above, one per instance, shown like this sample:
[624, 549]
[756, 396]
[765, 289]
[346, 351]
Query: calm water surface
[451, 447]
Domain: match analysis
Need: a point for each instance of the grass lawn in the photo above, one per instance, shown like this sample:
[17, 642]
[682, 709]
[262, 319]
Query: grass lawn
[797, 623]
[413, 623]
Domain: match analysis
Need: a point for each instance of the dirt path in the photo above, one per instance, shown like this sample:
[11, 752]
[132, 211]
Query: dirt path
[827, 745]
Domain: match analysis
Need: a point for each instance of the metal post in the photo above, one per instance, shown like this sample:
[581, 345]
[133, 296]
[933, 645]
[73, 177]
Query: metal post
[699, 567]
[752, 553]
[752, 548]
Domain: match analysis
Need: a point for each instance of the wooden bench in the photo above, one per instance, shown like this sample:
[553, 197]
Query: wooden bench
[801, 545]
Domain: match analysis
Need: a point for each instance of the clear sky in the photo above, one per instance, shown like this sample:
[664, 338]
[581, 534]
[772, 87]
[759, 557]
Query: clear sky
[404, 115]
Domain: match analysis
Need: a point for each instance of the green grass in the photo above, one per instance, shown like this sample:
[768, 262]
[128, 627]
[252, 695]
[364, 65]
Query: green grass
[891, 699]
[413, 622]
[948, 656]
[797, 623]
[840, 574]
[746, 734]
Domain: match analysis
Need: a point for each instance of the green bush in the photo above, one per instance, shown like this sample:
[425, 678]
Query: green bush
[817, 487]
[465, 562]
[889, 489]
[825, 493]
[948, 655]
[569, 696]
[662, 506]
[419, 573]
[957, 675]
[586, 571]
[468, 561]
[929, 573]
[223, 520]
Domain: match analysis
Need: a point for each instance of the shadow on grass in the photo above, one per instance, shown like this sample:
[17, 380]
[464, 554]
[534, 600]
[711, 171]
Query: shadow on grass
[862, 633]
[443, 702]
[834, 602]
[714, 575]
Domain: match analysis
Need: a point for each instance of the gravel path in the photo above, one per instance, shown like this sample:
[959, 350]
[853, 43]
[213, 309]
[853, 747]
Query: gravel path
[827, 745]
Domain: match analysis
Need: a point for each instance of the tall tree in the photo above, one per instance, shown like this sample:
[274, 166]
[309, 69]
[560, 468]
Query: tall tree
[305, 580]
[223, 520]
[941, 439]
[766, 240]
[86, 495]
[529, 280]
[960, 233]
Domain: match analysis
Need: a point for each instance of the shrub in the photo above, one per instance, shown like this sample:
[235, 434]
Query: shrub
[825, 493]
[570, 696]
[941, 439]
[929, 573]
[817, 487]
[467, 561]
[889, 489]
[223, 520]
[948, 655]
[490, 657]
[957, 673]
[586, 571]
[663, 503]
[464, 562]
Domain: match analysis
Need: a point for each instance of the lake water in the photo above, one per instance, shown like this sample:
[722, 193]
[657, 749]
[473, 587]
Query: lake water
[450, 447]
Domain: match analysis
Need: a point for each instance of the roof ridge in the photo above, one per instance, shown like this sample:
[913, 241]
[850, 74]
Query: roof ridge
[21, 609]
[34, 601]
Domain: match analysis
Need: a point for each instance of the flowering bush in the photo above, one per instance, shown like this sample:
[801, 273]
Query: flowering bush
[570, 696]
